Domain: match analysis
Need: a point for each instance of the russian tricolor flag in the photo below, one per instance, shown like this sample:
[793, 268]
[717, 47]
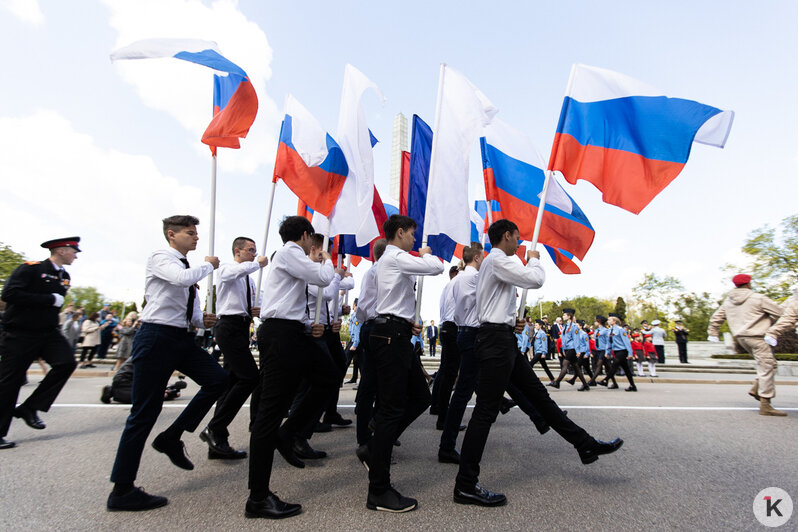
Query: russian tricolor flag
[235, 103]
[627, 138]
[514, 176]
[563, 260]
[308, 160]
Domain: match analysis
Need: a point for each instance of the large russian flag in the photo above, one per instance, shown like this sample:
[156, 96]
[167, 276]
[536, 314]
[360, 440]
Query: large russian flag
[514, 177]
[308, 160]
[417, 188]
[235, 103]
[628, 138]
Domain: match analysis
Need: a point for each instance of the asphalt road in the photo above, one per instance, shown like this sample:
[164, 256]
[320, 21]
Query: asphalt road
[695, 455]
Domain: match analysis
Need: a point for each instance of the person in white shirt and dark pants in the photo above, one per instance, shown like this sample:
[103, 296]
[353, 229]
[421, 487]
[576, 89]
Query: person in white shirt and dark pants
[287, 355]
[501, 363]
[162, 345]
[235, 294]
[402, 391]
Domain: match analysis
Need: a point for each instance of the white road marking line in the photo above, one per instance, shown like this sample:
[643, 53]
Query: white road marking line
[566, 407]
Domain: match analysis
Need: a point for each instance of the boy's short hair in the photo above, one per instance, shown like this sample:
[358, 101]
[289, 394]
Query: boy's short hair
[498, 228]
[240, 242]
[293, 227]
[472, 252]
[396, 222]
[177, 223]
[379, 248]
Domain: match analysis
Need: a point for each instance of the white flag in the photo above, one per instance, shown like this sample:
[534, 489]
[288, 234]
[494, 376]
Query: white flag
[352, 214]
[463, 112]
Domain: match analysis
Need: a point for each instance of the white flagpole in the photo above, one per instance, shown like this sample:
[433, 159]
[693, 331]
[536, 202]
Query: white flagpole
[338, 292]
[348, 267]
[209, 304]
[431, 158]
[320, 294]
[538, 222]
[265, 241]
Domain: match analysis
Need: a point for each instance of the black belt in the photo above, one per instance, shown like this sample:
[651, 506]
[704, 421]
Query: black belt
[236, 317]
[464, 328]
[448, 324]
[385, 318]
[497, 327]
[368, 323]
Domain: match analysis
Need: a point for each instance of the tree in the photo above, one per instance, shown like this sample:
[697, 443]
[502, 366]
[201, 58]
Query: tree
[657, 294]
[9, 260]
[774, 258]
[695, 310]
[86, 296]
[586, 308]
[620, 308]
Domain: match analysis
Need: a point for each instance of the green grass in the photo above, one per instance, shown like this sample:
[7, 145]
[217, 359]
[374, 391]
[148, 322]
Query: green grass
[787, 357]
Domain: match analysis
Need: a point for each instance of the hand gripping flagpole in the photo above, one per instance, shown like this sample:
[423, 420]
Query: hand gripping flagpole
[538, 222]
[265, 240]
[429, 180]
[209, 303]
[320, 294]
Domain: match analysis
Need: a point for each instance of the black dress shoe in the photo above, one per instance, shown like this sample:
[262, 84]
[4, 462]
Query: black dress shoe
[596, 448]
[542, 426]
[135, 500]
[234, 454]
[631, 389]
[5, 444]
[218, 448]
[591, 382]
[351, 381]
[390, 501]
[286, 449]
[322, 427]
[363, 455]
[603, 383]
[448, 457]
[506, 405]
[612, 387]
[271, 508]
[583, 388]
[29, 417]
[479, 496]
[554, 384]
[106, 394]
[303, 450]
[571, 381]
[174, 449]
[337, 420]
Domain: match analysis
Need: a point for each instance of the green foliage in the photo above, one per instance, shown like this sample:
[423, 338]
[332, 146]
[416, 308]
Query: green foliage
[695, 310]
[86, 296]
[774, 258]
[620, 308]
[9, 260]
[123, 308]
[586, 308]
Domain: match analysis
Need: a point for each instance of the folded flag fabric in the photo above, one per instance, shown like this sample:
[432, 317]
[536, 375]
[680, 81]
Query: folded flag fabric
[563, 260]
[628, 138]
[514, 177]
[235, 103]
[309, 160]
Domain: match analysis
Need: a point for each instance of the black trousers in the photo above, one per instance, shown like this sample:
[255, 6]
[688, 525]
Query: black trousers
[18, 350]
[402, 394]
[447, 372]
[621, 360]
[367, 389]
[232, 336]
[333, 341]
[433, 344]
[660, 353]
[500, 363]
[159, 350]
[541, 357]
[287, 355]
[682, 352]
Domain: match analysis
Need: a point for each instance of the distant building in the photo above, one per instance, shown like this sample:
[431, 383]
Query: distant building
[398, 145]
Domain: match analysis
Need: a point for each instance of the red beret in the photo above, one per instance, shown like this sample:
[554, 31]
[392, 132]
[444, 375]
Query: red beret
[741, 279]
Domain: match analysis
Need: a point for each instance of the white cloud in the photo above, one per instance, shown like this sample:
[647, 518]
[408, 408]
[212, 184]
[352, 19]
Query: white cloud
[184, 90]
[25, 10]
[114, 201]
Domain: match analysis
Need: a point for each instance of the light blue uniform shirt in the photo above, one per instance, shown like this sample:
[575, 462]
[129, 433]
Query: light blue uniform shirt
[582, 343]
[569, 335]
[602, 336]
[620, 340]
[541, 342]
[354, 330]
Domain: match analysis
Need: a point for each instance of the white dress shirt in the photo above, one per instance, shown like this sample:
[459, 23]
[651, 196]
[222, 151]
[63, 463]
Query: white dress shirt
[367, 302]
[231, 288]
[498, 277]
[166, 285]
[447, 302]
[464, 296]
[396, 279]
[328, 294]
[286, 292]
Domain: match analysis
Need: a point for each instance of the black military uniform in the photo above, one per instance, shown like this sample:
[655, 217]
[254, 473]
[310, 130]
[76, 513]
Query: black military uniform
[34, 293]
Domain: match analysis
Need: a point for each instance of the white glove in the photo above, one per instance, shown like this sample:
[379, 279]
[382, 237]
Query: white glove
[771, 341]
[713, 339]
[59, 300]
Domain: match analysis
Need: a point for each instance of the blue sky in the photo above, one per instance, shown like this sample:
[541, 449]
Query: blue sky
[106, 151]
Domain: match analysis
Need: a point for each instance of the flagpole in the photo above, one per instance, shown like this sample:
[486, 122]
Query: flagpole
[320, 294]
[538, 222]
[209, 304]
[338, 292]
[265, 240]
[348, 266]
[429, 179]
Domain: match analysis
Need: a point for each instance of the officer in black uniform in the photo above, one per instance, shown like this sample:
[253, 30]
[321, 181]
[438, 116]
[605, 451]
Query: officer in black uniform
[34, 294]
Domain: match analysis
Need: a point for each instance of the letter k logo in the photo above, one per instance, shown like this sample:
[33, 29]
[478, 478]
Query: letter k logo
[772, 506]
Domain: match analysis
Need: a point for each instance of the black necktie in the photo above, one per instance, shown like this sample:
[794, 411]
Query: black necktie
[192, 294]
[249, 296]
